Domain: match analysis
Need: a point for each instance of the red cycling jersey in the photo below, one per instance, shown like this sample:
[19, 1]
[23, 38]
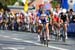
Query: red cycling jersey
[56, 19]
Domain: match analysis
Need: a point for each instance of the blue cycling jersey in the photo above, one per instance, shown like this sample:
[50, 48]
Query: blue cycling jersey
[43, 21]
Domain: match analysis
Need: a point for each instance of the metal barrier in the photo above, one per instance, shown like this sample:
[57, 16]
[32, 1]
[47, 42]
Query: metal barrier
[71, 29]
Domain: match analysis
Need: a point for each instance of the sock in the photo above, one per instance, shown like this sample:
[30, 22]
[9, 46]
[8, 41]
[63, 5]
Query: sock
[38, 37]
[66, 35]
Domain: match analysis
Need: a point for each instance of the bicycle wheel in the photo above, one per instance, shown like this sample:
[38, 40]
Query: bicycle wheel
[64, 40]
[64, 37]
[42, 39]
[46, 40]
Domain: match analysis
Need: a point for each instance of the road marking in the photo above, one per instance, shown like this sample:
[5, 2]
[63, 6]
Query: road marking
[58, 48]
[16, 39]
[13, 48]
[10, 48]
[6, 36]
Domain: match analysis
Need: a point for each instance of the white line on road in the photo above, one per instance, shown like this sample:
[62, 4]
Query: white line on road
[16, 39]
[13, 48]
[58, 48]
[5, 36]
[10, 48]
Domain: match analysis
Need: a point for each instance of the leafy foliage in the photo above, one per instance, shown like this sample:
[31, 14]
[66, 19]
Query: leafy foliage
[8, 2]
[4, 7]
[54, 3]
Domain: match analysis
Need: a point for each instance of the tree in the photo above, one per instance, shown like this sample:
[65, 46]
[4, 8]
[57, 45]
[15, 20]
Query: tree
[54, 3]
[8, 2]
[1, 6]
[4, 7]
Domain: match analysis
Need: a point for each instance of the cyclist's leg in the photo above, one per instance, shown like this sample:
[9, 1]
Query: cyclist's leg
[47, 31]
[54, 29]
[39, 31]
[50, 30]
[65, 29]
[57, 30]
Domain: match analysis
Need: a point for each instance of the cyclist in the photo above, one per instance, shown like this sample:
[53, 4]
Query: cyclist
[56, 20]
[65, 20]
[43, 20]
[56, 24]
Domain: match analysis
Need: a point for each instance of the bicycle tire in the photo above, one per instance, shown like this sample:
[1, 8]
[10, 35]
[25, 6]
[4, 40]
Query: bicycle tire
[63, 37]
[46, 41]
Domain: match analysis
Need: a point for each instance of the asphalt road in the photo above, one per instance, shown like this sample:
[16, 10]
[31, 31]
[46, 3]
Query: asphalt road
[13, 40]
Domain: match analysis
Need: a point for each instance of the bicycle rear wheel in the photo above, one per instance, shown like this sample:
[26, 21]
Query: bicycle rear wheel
[46, 40]
[64, 37]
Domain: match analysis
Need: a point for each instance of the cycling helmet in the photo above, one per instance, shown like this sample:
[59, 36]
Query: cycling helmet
[43, 15]
[64, 10]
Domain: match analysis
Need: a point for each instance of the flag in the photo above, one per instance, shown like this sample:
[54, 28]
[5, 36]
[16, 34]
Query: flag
[64, 4]
[74, 7]
[26, 6]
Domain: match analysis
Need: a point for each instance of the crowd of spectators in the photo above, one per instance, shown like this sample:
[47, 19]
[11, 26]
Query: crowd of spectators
[23, 21]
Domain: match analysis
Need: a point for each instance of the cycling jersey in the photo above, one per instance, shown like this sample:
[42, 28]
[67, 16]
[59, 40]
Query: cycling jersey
[56, 18]
[43, 21]
[64, 18]
[56, 13]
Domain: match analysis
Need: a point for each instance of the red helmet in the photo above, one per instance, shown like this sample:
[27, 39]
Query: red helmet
[41, 5]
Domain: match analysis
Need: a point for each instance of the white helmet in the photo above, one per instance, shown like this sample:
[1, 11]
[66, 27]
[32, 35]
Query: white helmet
[64, 10]
[26, 15]
[43, 15]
